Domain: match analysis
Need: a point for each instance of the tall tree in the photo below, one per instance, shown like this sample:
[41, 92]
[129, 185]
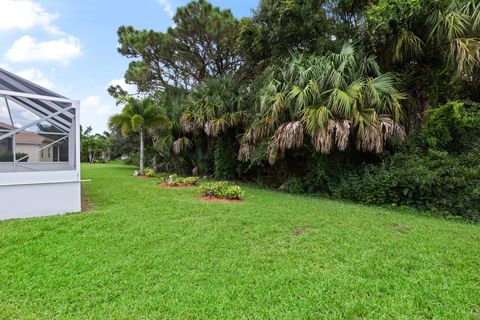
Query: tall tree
[139, 116]
[201, 45]
[281, 26]
[216, 108]
[327, 98]
[434, 44]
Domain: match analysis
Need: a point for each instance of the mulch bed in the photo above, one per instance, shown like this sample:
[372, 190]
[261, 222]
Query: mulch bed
[179, 185]
[215, 199]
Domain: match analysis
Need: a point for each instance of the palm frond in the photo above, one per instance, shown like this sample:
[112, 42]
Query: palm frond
[342, 133]
[407, 45]
[465, 54]
[322, 139]
[181, 144]
[246, 151]
[289, 136]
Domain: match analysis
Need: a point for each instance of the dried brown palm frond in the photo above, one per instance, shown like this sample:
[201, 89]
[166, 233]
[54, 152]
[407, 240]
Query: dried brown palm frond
[390, 128]
[322, 139]
[187, 122]
[254, 134]
[181, 144]
[188, 126]
[369, 138]
[215, 127]
[260, 129]
[245, 152]
[289, 135]
[342, 133]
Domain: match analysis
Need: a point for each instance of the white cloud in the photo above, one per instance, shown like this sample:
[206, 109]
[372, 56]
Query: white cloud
[36, 76]
[94, 112]
[24, 15]
[130, 88]
[28, 49]
[95, 104]
[91, 101]
[167, 7]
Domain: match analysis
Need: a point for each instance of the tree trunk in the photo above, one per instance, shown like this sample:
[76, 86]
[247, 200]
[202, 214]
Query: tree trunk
[141, 152]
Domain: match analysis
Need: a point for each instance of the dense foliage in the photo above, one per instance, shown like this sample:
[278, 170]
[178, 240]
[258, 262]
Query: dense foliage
[372, 101]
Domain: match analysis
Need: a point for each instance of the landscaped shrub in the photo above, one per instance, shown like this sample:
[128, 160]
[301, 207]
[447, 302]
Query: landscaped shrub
[233, 192]
[148, 172]
[175, 180]
[189, 180]
[222, 189]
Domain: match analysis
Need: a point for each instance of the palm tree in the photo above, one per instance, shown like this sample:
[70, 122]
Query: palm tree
[139, 116]
[215, 110]
[326, 98]
[214, 106]
[451, 29]
[438, 44]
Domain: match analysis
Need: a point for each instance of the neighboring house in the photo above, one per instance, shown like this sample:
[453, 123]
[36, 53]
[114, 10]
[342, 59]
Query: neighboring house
[30, 143]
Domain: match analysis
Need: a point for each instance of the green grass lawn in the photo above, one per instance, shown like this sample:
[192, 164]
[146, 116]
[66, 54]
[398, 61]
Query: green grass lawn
[152, 252]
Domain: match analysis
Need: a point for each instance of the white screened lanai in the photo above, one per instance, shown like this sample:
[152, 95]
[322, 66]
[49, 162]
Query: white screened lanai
[39, 150]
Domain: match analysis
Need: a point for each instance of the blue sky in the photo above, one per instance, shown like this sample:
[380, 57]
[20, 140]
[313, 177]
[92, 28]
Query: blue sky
[69, 46]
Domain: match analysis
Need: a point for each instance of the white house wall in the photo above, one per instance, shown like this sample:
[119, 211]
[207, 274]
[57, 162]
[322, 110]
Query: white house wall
[33, 194]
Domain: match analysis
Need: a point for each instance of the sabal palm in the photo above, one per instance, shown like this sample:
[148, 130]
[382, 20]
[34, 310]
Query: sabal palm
[139, 116]
[326, 98]
[451, 28]
[214, 107]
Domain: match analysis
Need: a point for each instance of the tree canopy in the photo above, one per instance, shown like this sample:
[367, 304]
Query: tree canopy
[317, 95]
[201, 45]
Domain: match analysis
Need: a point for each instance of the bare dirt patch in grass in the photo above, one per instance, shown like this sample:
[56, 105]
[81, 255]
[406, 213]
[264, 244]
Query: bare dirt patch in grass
[297, 232]
[400, 227]
[87, 204]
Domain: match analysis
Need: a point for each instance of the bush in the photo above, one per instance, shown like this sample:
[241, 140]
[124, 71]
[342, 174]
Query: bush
[8, 156]
[222, 189]
[438, 182]
[438, 169]
[293, 185]
[233, 192]
[176, 180]
[148, 172]
[172, 180]
[190, 180]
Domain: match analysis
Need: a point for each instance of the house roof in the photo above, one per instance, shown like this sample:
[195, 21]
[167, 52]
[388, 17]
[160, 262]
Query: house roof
[14, 83]
[26, 137]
